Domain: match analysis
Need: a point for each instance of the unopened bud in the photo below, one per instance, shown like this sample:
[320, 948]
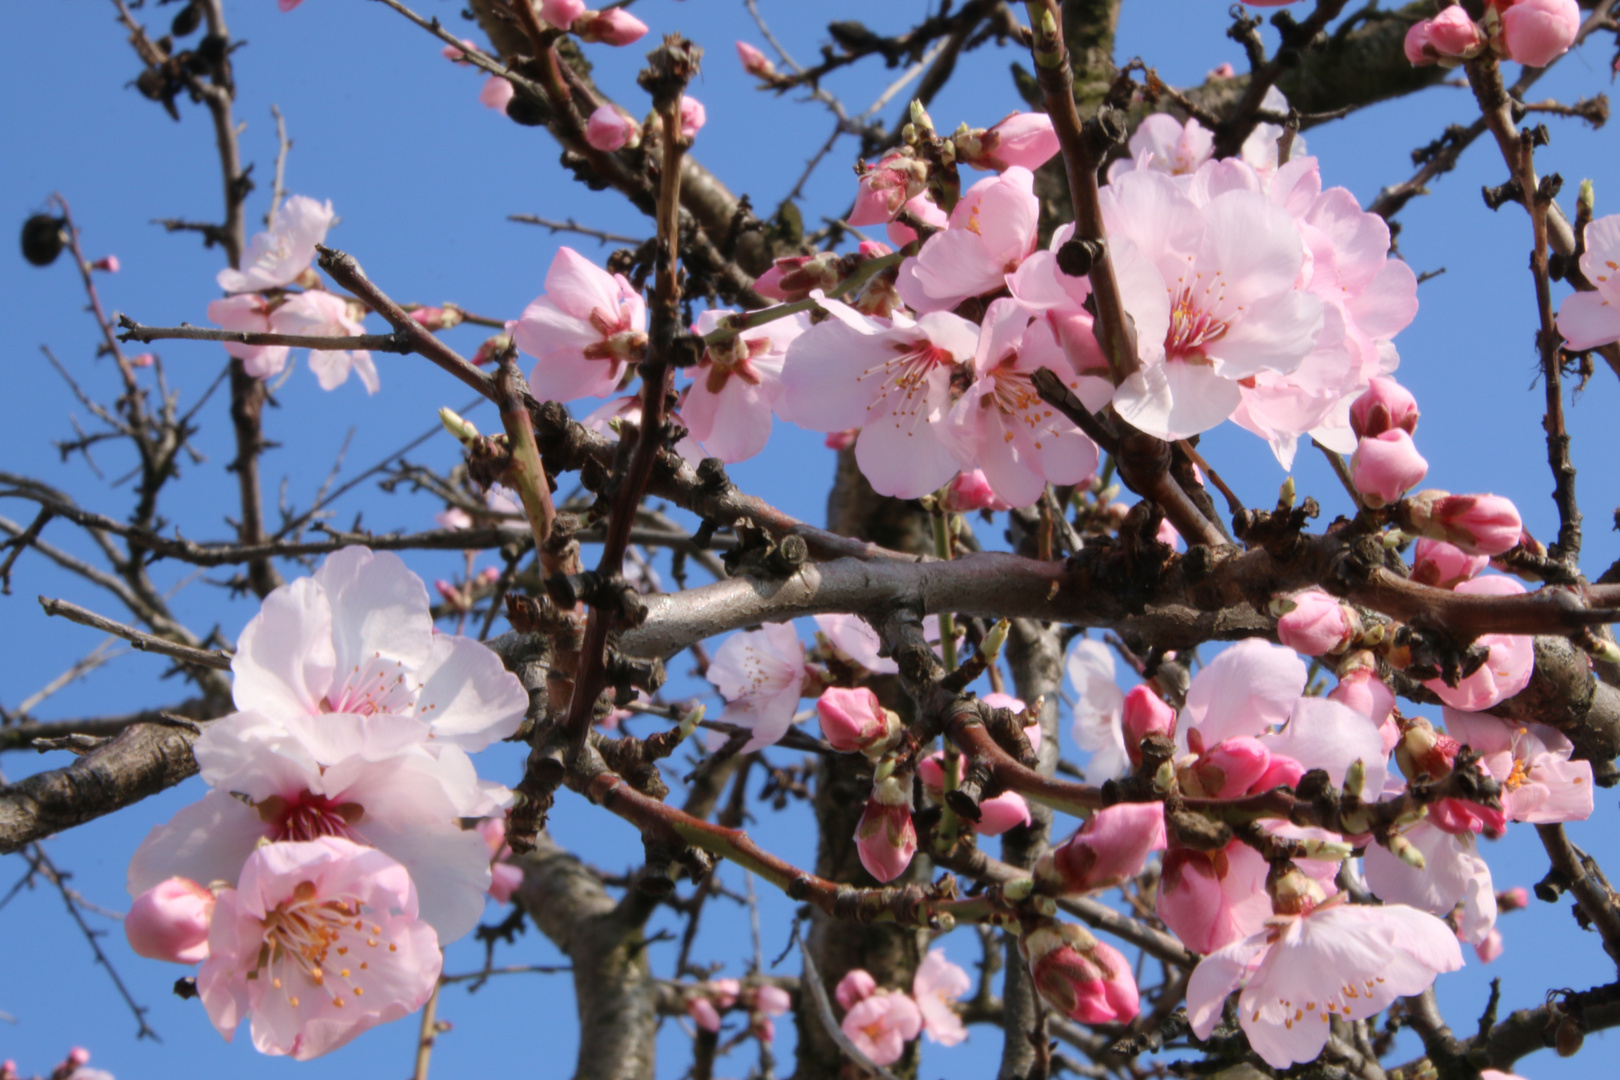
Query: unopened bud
[464, 430]
[1586, 199]
[920, 117]
[1355, 778]
[1019, 889]
[1407, 852]
[1285, 495]
[690, 722]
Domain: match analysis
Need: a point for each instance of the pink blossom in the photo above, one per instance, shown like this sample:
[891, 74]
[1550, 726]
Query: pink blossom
[170, 920]
[703, 1013]
[1478, 524]
[1221, 71]
[760, 673]
[1211, 898]
[278, 257]
[1098, 714]
[1082, 978]
[584, 330]
[755, 62]
[1000, 421]
[1162, 142]
[251, 313]
[614, 26]
[970, 491]
[1348, 959]
[1144, 713]
[693, 117]
[887, 186]
[852, 638]
[885, 838]
[318, 313]
[1385, 405]
[1508, 669]
[856, 985]
[939, 982]
[372, 780]
[1227, 769]
[1590, 319]
[145, 359]
[318, 942]
[1452, 873]
[1443, 565]
[1110, 848]
[1487, 950]
[610, 128]
[890, 380]
[853, 721]
[1362, 690]
[1024, 139]
[736, 385]
[453, 517]
[1248, 689]
[1537, 32]
[1540, 783]
[991, 231]
[794, 277]
[923, 209]
[1454, 36]
[772, 1000]
[882, 1023]
[496, 94]
[1323, 734]
[561, 14]
[998, 813]
[1316, 624]
[358, 637]
[1386, 467]
[505, 878]
[606, 418]
[1211, 287]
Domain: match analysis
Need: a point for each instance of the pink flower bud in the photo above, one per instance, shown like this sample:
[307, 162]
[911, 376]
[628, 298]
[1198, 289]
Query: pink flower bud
[615, 26]
[1536, 32]
[856, 985]
[170, 922]
[452, 595]
[1488, 949]
[1023, 139]
[773, 1000]
[144, 359]
[854, 721]
[458, 56]
[793, 277]
[968, 492]
[1110, 848]
[755, 62]
[1362, 690]
[438, 318]
[1513, 899]
[109, 264]
[78, 1057]
[724, 992]
[610, 128]
[1005, 811]
[491, 348]
[1167, 534]
[703, 1014]
[1317, 623]
[1081, 977]
[561, 14]
[886, 187]
[496, 94]
[504, 880]
[1386, 467]
[1228, 769]
[1478, 524]
[1145, 713]
[1221, 71]
[1453, 34]
[1281, 772]
[1032, 729]
[886, 839]
[1386, 404]
[693, 117]
[841, 440]
[1443, 565]
[1419, 50]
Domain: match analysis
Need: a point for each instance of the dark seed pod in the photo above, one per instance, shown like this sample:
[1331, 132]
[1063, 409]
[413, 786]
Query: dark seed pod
[187, 21]
[42, 239]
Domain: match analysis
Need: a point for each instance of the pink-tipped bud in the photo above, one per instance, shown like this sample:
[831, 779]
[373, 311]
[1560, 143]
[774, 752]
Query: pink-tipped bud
[854, 721]
[1111, 847]
[857, 985]
[1221, 71]
[610, 128]
[693, 117]
[78, 1057]
[1536, 32]
[489, 575]
[1425, 751]
[1443, 565]
[1314, 623]
[491, 349]
[8, 1069]
[755, 62]
[1489, 948]
[772, 1000]
[560, 14]
[458, 56]
[1513, 899]
[968, 492]
[1228, 769]
[109, 264]
[888, 186]
[452, 595]
[504, 880]
[1281, 772]
[1419, 50]
[1079, 976]
[437, 318]
[615, 26]
[886, 839]
[1145, 713]
[1387, 466]
[841, 440]
[144, 359]
[1454, 35]
[1478, 524]
[170, 922]
[1023, 139]
[703, 1014]
[1386, 404]
[1005, 811]
[724, 992]
[793, 277]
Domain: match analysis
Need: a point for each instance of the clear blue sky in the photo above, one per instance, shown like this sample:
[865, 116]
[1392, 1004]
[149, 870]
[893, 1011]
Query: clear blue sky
[423, 177]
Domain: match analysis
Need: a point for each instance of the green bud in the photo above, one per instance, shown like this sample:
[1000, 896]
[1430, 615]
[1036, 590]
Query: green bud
[1407, 852]
[1019, 889]
[464, 430]
[1285, 497]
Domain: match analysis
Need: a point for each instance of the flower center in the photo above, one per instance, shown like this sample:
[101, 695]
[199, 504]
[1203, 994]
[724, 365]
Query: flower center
[378, 686]
[1192, 326]
[1518, 777]
[308, 817]
[302, 934]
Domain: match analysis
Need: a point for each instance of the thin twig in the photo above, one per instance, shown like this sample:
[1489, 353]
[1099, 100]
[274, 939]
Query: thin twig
[209, 658]
[574, 227]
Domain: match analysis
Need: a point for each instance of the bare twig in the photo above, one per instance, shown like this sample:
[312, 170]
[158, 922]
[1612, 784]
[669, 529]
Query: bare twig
[209, 658]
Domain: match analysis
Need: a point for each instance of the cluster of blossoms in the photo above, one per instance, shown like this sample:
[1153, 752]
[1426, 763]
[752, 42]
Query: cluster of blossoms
[1529, 32]
[761, 1002]
[72, 1067]
[880, 1021]
[318, 879]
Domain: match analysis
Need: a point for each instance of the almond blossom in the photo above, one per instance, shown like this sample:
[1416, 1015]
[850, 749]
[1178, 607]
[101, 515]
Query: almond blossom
[1452, 873]
[318, 942]
[939, 982]
[736, 384]
[1336, 958]
[1506, 670]
[1098, 714]
[318, 313]
[990, 232]
[1590, 319]
[881, 1023]
[584, 331]
[280, 256]
[893, 381]
[853, 639]
[249, 312]
[760, 673]
[1540, 782]
[1022, 139]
